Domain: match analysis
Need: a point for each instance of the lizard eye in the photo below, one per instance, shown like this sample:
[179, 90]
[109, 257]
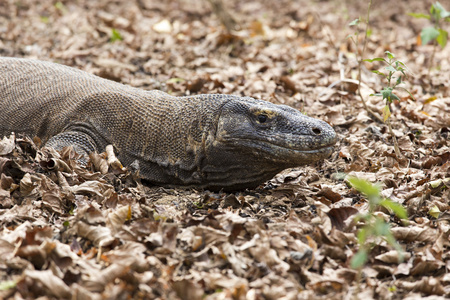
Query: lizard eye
[262, 118]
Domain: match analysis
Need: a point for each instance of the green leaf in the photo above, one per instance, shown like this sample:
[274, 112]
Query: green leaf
[381, 227]
[115, 36]
[442, 38]
[398, 66]
[362, 235]
[438, 11]
[376, 94]
[428, 34]
[435, 11]
[387, 93]
[386, 113]
[389, 55]
[61, 7]
[399, 87]
[390, 68]
[435, 183]
[359, 259]
[354, 22]
[378, 72]
[445, 14]
[394, 96]
[392, 289]
[175, 80]
[6, 285]
[434, 212]
[371, 191]
[400, 62]
[375, 59]
[419, 16]
[397, 208]
[438, 6]
[399, 80]
[393, 242]
[44, 19]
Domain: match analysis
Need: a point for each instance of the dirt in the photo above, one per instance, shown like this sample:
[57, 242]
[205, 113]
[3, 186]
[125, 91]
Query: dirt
[93, 233]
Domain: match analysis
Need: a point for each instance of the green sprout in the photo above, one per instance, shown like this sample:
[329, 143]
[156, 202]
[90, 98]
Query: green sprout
[115, 36]
[436, 34]
[374, 227]
[394, 67]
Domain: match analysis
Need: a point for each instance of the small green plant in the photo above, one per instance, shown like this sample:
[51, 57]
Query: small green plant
[115, 36]
[374, 228]
[61, 7]
[393, 67]
[44, 19]
[435, 33]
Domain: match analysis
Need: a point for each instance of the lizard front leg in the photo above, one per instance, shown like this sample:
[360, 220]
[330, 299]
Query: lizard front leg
[82, 143]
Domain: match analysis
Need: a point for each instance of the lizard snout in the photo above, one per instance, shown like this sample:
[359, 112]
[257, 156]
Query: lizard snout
[324, 132]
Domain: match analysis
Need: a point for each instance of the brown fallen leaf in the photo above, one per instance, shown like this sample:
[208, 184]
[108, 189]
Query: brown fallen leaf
[6, 250]
[28, 184]
[92, 187]
[99, 235]
[98, 280]
[55, 164]
[99, 162]
[330, 194]
[326, 286]
[426, 285]
[7, 144]
[187, 290]
[288, 84]
[53, 201]
[195, 86]
[118, 217]
[415, 234]
[340, 214]
[392, 257]
[52, 284]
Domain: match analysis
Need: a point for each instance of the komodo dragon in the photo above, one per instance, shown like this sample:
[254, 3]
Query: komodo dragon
[204, 141]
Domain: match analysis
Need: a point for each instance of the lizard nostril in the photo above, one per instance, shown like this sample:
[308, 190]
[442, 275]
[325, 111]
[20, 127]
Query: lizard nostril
[317, 131]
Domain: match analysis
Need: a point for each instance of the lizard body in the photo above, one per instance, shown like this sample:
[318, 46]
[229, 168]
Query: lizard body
[205, 141]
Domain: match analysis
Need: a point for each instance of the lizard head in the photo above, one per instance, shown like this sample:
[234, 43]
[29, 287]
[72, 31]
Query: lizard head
[257, 139]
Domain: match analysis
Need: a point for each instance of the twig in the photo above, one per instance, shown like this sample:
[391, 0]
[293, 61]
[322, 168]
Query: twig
[327, 32]
[394, 138]
[375, 115]
[430, 64]
[224, 16]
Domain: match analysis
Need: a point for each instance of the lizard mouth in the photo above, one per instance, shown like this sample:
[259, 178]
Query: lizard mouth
[290, 149]
[287, 153]
[303, 144]
[297, 157]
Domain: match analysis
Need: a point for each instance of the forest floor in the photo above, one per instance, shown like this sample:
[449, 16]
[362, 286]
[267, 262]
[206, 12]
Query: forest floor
[84, 234]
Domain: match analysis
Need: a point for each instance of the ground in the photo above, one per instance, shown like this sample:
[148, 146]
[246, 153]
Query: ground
[99, 233]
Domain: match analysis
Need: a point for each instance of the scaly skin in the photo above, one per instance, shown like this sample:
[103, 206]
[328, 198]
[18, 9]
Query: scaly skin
[203, 141]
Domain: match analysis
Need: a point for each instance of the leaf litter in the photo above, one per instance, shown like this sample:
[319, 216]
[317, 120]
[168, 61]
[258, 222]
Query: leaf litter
[95, 231]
